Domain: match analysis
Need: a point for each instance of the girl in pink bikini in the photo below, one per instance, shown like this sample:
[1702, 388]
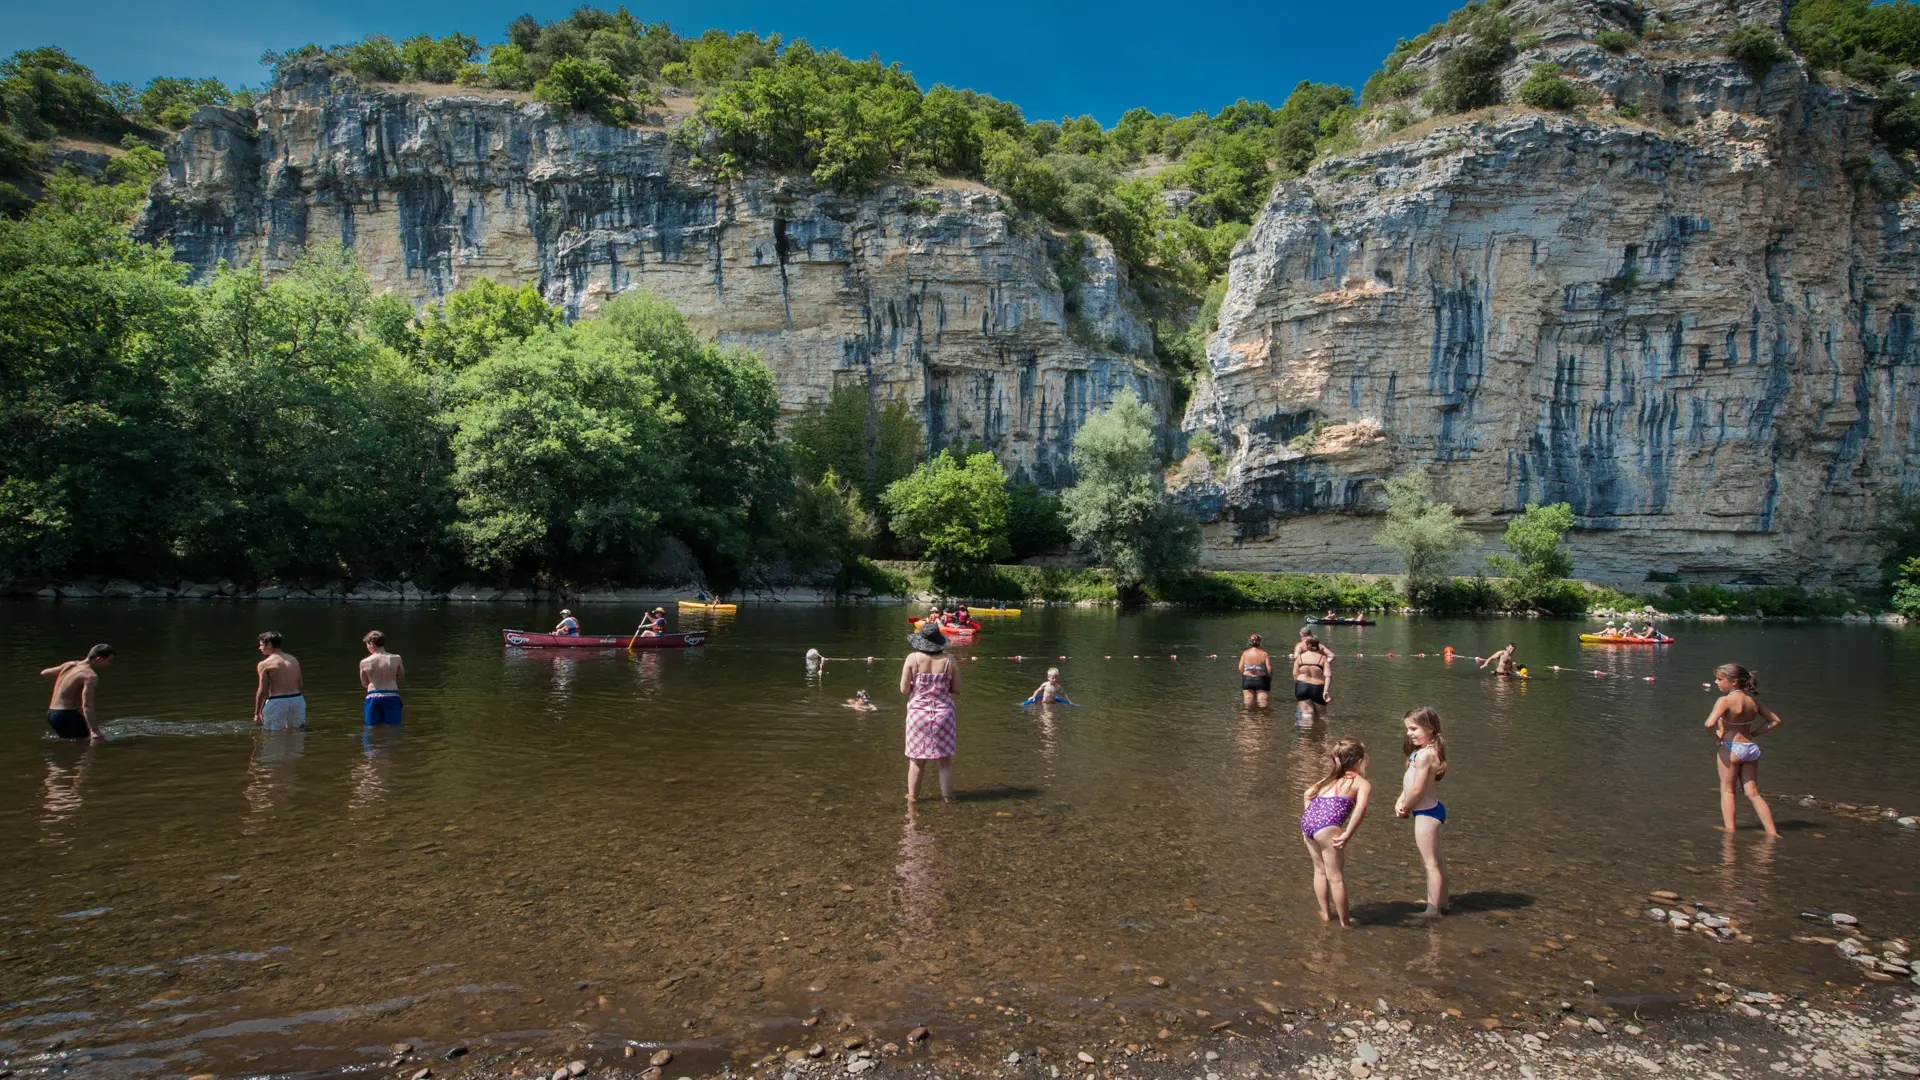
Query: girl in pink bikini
[1334, 807]
[931, 680]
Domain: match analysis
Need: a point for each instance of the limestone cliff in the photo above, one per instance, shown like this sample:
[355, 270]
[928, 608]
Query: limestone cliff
[1686, 309]
[937, 297]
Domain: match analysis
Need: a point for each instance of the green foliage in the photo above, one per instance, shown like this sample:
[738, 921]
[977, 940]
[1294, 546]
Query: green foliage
[1756, 47]
[440, 61]
[470, 324]
[1118, 506]
[375, 58]
[45, 92]
[869, 445]
[1538, 562]
[1035, 525]
[1906, 589]
[1776, 601]
[1279, 592]
[1313, 116]
[1469, 75]
[1424, 532]
[575, 449]
[170, 103]
[587, 86]
[1896, 529]
[1616, 41]
[953, 508]
[1545, 88]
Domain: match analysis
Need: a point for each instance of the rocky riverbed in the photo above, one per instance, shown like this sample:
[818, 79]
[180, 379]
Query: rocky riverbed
[1751, 1033]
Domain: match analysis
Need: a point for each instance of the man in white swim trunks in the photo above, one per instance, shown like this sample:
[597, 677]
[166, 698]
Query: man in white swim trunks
[278, 703]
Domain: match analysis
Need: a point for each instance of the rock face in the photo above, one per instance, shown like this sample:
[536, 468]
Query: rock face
[937, 297]
[1687, 310]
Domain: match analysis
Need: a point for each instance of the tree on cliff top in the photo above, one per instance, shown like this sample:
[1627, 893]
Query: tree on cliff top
[1424, 532]
[1119, 504]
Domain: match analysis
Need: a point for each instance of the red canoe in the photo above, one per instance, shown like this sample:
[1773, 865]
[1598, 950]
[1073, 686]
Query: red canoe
[528, 640]
[957, 632]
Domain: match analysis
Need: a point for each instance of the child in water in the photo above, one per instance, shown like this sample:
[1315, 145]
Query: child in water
[1739, 756]
[1050, 691]
[859, 702]
[1333, 807]
[1426, 766]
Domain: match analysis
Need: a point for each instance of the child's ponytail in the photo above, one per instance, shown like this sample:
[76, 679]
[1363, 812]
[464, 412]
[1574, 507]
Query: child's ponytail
[1740, 677]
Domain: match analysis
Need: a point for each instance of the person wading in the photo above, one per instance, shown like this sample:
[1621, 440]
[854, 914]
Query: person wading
[380, 675]
[71, 713]
[278, 701]
[1256, 674]
[931, 680]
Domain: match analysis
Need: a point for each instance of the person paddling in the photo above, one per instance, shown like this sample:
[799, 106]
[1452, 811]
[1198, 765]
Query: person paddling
[71, 713]
[568, 626]
[380, 675]
[279, 703]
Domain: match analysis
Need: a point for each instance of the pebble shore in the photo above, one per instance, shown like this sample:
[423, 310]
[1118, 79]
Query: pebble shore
[1754, 1034]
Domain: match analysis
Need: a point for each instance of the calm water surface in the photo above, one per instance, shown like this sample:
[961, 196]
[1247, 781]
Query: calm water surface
[703, 848]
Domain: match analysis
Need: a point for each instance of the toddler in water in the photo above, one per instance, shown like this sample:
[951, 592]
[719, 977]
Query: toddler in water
[1739, 756]
[1050, 691]
[1334, 806]
[859, 702]
[1426, 765]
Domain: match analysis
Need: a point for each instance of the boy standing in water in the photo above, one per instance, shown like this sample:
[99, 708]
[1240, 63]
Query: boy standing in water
[380, 675]
[278, 701]
[70, 713]
[1502, 662]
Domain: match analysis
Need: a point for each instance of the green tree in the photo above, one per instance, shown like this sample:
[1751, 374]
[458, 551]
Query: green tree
[170, 103]
[1118, 506]
[1546, 88]
[1035, 523]
[587, 86]
[1533, 538]
[576, 449]
[1756, 47]
[1469, 75]
[954, 510]
[44, 92]
[470, 323]
[1424, 532]
[1906, 589]
[867, 445]
[439, 61]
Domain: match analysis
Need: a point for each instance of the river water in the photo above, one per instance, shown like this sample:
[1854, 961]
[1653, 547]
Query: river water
[703, 848]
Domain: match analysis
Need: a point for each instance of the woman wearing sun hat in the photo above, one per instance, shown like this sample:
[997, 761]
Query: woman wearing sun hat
[930, 680]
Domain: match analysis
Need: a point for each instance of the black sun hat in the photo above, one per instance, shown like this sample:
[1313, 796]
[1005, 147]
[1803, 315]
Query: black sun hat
[928, 639]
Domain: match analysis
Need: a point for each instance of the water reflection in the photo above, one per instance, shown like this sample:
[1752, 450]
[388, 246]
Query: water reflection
[270, 768]
[372, 775]
[64, 790]
[917, 893]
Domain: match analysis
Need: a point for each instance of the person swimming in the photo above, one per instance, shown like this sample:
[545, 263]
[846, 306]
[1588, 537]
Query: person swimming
[859, 702]
[1050, 691]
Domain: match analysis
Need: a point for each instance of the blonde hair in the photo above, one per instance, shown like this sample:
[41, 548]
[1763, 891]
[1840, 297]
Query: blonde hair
[1347, 756]
[1740, 677]
[1428, 720]
[1053, 673]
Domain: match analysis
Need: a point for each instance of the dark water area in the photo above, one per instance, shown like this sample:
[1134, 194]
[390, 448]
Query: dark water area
[703, 848]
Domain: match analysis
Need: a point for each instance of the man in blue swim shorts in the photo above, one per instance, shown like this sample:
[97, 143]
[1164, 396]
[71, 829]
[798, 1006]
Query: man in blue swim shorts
[380, 675]
[70, 713]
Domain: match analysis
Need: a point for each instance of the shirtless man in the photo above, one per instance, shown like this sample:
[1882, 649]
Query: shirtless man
[1502, 662]
[71, 713]
[380, 675]
[278, 703]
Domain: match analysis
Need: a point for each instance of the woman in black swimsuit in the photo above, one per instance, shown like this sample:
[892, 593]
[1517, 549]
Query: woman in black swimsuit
[1312, 681]
[1256, 674]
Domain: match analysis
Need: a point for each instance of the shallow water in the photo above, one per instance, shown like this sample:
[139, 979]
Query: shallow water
[702, 848]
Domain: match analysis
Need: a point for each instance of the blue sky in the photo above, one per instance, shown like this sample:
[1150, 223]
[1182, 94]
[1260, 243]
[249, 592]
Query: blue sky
[1051, 58]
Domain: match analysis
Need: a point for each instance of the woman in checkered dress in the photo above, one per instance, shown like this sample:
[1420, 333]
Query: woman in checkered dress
[931, 680]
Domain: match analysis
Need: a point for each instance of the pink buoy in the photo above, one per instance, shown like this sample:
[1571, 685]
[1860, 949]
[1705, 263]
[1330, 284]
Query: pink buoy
[1173, 656]
[1063, 657]
[1596, 675]
[1649, 678]
[1105, 657]
[1359, 656]
[1213, 656]
[1389, 656]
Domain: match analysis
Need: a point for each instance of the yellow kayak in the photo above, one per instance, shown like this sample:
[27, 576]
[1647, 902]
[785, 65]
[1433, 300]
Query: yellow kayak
[993, 611]
[695, 605]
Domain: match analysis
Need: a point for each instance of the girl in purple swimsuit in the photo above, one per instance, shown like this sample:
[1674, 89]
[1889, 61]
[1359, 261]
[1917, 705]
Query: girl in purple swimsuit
[1334, 806]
